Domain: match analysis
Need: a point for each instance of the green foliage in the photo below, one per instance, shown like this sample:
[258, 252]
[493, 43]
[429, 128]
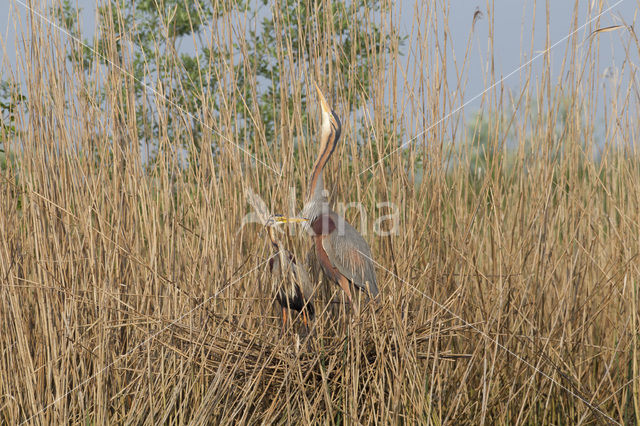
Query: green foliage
[486, 144]
[190, 80]
[350, 30]
[155, 27]
[10, 99]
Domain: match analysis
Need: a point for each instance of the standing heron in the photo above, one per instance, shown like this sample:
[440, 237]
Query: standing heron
[289, 281]
[344, 256]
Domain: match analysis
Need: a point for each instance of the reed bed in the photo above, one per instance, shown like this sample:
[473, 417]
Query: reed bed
[132, 292]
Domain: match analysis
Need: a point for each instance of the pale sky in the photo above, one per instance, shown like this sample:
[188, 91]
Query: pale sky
[513, 34]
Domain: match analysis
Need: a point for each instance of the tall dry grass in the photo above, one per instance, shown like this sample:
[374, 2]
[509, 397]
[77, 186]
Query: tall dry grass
[509, 295]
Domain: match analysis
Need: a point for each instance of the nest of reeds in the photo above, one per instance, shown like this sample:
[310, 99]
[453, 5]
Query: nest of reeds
[294, 370]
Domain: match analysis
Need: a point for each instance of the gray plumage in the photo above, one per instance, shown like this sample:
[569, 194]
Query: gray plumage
[289, 281]
[350, 254]
[346, 251]
[284, 280]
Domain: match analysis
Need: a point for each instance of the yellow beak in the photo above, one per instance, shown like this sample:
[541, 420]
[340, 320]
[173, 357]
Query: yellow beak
[323, 102]
[279, 219]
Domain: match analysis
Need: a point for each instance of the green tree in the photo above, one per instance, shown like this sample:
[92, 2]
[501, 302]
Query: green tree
[295, 26]
[10, 99]
[490, 145]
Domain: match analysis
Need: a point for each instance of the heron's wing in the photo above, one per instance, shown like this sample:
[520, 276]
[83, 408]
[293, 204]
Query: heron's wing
[294, 273]
[303, 280]
[350, 254]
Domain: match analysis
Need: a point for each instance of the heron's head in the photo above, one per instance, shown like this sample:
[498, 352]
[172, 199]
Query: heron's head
[276, 220]
[317, 201]
[331, 124]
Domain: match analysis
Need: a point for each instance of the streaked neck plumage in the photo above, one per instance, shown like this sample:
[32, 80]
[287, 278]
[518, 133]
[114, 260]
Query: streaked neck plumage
[317, 202]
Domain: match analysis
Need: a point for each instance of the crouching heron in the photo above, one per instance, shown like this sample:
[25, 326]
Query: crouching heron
[289, 281]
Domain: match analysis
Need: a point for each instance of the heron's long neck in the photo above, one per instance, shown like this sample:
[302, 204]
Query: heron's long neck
[272, 236]
[327, 146]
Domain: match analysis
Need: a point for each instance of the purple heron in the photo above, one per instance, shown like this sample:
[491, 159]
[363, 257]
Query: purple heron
[289, 281]
[345, 257]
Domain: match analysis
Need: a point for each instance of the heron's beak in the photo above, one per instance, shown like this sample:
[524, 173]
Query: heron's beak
[323, 101]
[279, 219]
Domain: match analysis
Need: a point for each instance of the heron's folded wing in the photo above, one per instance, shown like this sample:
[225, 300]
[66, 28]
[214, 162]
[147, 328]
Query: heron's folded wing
[350, 254]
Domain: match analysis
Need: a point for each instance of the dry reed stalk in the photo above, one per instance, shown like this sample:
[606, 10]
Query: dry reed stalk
[130, 294]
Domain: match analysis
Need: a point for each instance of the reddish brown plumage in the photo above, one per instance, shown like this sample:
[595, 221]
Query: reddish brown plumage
[345, 257]
[323, 225]
[332, 273]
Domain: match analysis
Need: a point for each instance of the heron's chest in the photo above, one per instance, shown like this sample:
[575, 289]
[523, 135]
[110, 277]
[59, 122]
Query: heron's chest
[323, 225]
[323, 258]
